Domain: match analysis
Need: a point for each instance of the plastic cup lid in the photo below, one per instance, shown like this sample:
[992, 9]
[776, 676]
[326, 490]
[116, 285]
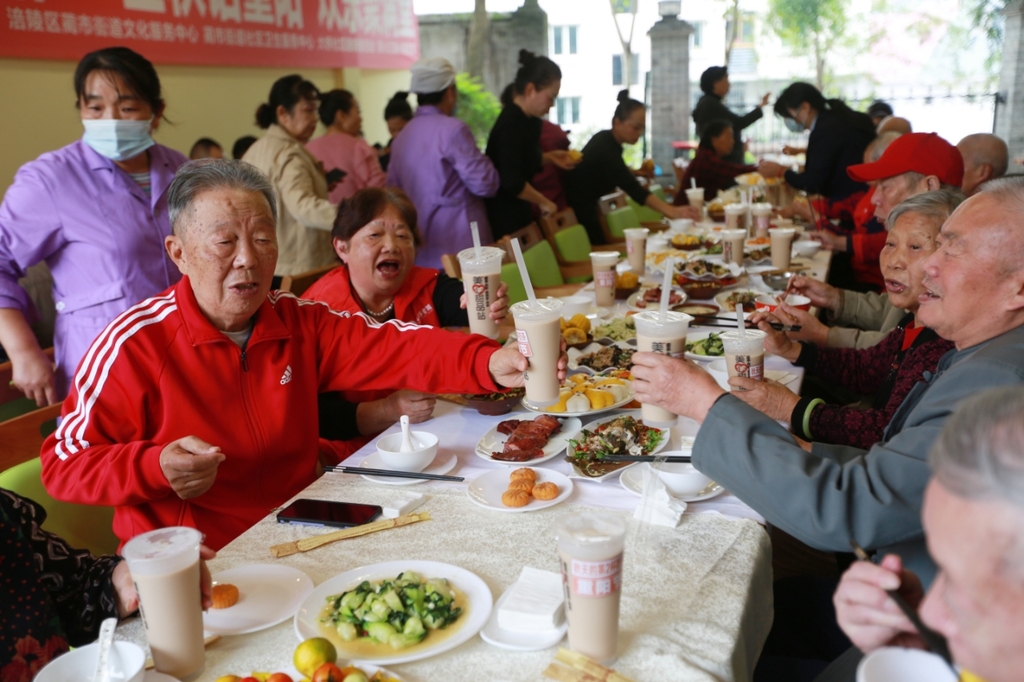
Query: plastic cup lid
[160, 550]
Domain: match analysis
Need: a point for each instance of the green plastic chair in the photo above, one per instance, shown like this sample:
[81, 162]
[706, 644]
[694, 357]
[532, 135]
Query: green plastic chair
[645, 214]
[620, 220]
[510, 276]
[658, 191]
[542, 265]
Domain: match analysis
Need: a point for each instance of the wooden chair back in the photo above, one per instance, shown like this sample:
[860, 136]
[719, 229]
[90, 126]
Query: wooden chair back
[297, 284]
[450, 263]
[21, 437]
[8, 392]
[528, 236]
[611, 202]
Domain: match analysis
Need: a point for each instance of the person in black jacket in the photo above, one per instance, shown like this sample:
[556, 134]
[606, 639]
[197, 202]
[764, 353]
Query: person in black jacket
[839, 136]
[602, 170]
[714, 83]
[514, 145]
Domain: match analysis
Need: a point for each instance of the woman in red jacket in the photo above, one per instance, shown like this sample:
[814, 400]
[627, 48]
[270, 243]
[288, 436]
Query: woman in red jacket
[375, 236]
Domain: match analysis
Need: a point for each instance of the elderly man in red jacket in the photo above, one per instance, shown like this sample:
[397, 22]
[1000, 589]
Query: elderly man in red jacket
[198, 407]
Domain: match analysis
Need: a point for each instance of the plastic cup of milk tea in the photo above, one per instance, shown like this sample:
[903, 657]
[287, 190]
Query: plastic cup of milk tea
[539, 336]
[668, 337]
[696, 198]
[744, 354]
[164, 565]
[481, 275]
[636, 248]
[590, 547]
[782, 239]
[604, 263]
[734, 216]
[732, 245]
[762, 213]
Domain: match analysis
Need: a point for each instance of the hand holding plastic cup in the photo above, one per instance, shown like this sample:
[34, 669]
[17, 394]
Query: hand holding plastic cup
[481, 276]
[744, 354]
[539, 336]
[668, 337]
[164, 565]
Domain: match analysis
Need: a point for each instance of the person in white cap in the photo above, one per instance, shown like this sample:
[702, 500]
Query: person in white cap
[436, 161]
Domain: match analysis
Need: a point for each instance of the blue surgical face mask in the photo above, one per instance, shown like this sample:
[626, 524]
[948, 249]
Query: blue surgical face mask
[118, 139]
[793, 125]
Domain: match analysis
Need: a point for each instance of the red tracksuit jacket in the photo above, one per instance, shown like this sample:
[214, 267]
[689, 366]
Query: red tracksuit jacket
[160, 371]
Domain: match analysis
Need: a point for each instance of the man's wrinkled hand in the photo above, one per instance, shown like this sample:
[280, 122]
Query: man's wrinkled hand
[821, 294]
[679, 386]
[771, 397]
[507, 365]
[190, 466]
[418, 406]
[869, 616]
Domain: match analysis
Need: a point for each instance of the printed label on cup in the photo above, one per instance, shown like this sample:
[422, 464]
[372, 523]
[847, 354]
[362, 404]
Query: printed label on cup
[727, 250]
[596, 578]
[675, 350]
[744, 367]
[480, 297]
[629, 246]
[604, 278]
[524, 343]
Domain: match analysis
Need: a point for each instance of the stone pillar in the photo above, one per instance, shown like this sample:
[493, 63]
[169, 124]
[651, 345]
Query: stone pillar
[670, 88]
[1010, 111]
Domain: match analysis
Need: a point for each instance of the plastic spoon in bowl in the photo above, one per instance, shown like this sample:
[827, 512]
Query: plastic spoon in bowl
[408, 445]
[105, 641]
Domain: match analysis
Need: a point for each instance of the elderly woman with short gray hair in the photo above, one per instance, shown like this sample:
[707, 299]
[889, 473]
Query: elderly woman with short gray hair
[886, 371]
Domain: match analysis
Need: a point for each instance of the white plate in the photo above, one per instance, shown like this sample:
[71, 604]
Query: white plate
[493, 441]
[589, 413]
[268, 594]
[632, 300]
[721, 296]
[442, 464]
[472, 620]
[514, 640]
[576, 353]
[635, 414]
[486, 490]
[633, 481]
[700, 336]
[734, 270]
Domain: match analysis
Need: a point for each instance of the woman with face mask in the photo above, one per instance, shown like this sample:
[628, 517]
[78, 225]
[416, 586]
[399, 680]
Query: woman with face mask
[602, 169]
[304, 212]
[514, 145]
[839, 136]
[96, 212]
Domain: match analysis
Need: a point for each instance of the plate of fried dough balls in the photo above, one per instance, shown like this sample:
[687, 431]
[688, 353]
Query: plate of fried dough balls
[520, 489]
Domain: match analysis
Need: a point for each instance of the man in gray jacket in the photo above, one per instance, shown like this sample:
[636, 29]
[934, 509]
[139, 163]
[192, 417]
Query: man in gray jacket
[826, 495]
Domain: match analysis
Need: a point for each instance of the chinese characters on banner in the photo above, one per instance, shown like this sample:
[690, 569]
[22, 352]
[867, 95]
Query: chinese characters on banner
[295, 33]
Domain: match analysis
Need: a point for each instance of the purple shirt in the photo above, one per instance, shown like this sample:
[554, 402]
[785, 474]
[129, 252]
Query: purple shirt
[436, 161]
[99, 233]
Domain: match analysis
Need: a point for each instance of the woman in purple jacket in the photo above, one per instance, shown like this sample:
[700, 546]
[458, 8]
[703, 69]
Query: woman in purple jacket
[96, 212]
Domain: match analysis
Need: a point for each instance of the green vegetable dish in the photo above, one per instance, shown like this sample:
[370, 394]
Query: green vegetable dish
[710, 346]
[399, 612]
[617, 329]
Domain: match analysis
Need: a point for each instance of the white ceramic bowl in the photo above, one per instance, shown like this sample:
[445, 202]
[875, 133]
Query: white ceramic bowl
[682, 479]
[576, 305]
[894, 664]
[389, 448]
[78, 665]
[806, 247]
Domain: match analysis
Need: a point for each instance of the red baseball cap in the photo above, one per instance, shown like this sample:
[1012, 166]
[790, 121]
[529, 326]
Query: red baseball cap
[925, 153]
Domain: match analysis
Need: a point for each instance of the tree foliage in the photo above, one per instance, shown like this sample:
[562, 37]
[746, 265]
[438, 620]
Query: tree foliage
[812, 27]
[476, 106]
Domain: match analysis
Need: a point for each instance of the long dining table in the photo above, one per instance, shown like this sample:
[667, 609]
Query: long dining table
[696, 599]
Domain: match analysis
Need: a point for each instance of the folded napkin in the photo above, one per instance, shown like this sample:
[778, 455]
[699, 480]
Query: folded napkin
[536, 602]
[656, 506]
[779, 376]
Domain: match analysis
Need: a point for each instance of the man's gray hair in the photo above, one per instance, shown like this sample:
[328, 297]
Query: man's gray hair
[202, 175]
[938, 204]
[980, 453]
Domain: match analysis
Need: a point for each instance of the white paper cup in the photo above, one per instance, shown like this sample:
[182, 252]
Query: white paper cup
[539, 335]
[895, 664]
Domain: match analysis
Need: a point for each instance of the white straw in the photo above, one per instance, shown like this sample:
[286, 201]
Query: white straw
[476, 238]
[693, 183]
[518, 251]
[739, 319]
[666, 287]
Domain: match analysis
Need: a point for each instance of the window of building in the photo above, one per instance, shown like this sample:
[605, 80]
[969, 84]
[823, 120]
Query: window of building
[698, 34]
[745, 35]
[567, 110]
[563, 39]
[634, 72]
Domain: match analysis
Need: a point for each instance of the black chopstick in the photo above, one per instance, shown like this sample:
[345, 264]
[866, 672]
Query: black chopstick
[388, 472]
[935, 641]
[672, 459]
[774, 325]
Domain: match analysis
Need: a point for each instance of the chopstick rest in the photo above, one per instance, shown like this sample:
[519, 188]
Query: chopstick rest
[289, 548]
[581, 669]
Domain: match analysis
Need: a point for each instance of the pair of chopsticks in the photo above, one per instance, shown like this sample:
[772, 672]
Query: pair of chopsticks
[699, 321]
[672, 459]
[363, 471]
[935, 641]
[307, 544]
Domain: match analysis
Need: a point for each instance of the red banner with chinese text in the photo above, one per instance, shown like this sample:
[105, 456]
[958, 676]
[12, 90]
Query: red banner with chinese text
[378, 34]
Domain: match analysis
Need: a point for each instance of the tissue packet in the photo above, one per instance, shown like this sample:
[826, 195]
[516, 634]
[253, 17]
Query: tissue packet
[536, 602]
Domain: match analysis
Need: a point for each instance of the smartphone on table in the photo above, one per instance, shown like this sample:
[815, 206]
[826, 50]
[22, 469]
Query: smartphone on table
[306, 512]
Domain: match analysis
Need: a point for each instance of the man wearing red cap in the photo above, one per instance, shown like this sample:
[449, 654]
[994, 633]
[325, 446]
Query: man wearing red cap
[913, 164]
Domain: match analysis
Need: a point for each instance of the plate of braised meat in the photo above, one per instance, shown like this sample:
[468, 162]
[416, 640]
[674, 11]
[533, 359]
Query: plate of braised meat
[519, 442]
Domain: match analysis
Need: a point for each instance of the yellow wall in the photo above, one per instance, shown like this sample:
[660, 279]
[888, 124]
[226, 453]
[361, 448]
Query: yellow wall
[37, 112]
